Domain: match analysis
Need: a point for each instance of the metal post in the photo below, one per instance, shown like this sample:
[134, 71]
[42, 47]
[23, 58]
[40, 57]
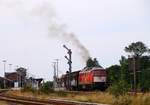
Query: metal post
[17, 75]
[70, 60]
[70, 64]
[70, 67]
[4, 61]
[57, 61]
[54, 78]
[57, 72]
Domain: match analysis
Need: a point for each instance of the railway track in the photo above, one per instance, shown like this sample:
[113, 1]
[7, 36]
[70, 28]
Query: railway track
[19, 101]
[82, 92]
[32, 101]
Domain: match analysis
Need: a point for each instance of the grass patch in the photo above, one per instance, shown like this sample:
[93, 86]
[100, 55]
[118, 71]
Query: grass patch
[96, 97]
[99, 97]
[3, 103]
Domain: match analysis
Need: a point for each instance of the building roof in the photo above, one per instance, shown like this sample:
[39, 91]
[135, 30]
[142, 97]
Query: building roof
[2, 78]
[10, 73]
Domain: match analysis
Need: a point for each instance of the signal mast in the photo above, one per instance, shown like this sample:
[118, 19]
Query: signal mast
[70, 64]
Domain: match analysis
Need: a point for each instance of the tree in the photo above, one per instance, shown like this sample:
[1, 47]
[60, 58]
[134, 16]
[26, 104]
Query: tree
[145, 73]
[89, 63]
[92, 63]
[139, 63]
[47, 87]
[121, 76]
[145, 81]
[119, 88]
[114, 73]
[125, 73]
[137, 49]
[145, 62]
[118, 76]
[96, 63]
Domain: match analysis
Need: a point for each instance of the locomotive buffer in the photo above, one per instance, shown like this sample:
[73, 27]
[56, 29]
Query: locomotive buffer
[70, 64]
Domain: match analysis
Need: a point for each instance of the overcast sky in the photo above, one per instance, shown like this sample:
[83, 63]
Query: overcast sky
[104, 27]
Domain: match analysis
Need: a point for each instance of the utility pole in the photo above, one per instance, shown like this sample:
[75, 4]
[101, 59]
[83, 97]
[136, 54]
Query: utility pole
[69, 63]
[18, 75]
[57, 69]
[4, 61]
[134, 74]
[54, 77]
[133, 69]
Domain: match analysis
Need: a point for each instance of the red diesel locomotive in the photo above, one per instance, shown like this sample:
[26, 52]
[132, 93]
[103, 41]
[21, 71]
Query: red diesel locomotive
[92, 78]
[87, 79]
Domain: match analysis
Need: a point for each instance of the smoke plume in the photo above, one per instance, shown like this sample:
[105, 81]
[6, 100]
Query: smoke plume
[58, 31]
[42, 10]
[84, 53]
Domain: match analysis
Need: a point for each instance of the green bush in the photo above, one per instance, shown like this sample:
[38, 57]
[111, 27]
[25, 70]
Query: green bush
[119, 88]
[47, 87]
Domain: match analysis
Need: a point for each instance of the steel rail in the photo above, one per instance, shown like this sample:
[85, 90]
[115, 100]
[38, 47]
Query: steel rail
[32, 101]
[24, 102]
